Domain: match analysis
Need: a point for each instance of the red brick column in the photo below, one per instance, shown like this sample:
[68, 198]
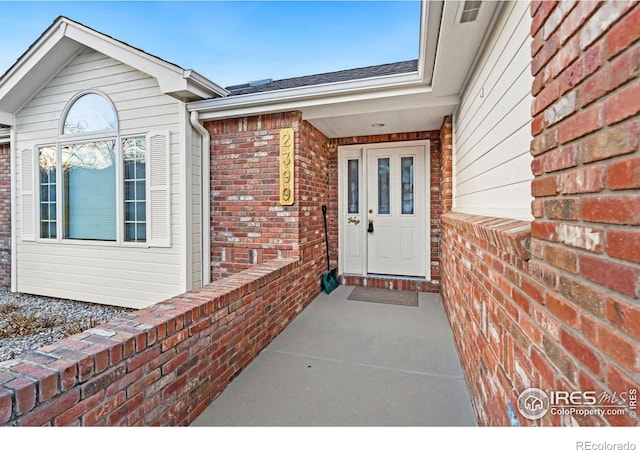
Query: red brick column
[248, 224]
[5, 216]
[564, 315]
[585, 238]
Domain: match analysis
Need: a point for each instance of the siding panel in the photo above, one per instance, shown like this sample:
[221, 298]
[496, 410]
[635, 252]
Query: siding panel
[492, 163]
[110, 274]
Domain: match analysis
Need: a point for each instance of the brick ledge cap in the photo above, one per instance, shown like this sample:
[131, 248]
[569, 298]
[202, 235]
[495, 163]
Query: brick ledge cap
[510, 235]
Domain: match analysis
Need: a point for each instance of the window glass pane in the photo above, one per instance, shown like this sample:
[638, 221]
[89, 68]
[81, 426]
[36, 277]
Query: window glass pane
[352, 182]
[383, 186]
[89, 114]
[89, 173]
[406, 165]
[133, 152]
[141, 211]
[140, 194]
[129, 231]
[47, 163]
[141, 230]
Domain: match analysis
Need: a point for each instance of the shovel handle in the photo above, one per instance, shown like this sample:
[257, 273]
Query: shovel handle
[326, 234]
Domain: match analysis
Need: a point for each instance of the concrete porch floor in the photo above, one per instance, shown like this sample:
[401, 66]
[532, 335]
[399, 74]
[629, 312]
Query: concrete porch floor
[352, 363]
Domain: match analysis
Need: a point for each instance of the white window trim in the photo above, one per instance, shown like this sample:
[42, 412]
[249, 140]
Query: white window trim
[120, 226]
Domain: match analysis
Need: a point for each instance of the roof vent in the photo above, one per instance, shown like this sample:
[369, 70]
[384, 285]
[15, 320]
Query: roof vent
[470, 11]
[260, 82]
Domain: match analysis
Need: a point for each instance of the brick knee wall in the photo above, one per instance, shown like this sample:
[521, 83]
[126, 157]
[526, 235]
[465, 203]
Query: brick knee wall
[565, 317]
[513, 332]
[160, 365]
[5, 215]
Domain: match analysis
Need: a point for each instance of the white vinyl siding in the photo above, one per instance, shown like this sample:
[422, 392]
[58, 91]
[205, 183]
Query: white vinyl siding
[492, 134]
[126, 275]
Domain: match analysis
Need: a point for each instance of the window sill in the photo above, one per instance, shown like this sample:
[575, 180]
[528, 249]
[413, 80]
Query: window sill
[90, 243]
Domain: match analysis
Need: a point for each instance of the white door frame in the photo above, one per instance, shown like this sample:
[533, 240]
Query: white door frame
[347, 152]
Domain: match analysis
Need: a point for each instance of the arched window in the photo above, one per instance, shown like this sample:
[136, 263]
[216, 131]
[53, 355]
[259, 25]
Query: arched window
[90, 113]
[93, 176]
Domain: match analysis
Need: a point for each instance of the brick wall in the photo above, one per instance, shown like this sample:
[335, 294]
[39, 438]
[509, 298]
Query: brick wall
[248, 224]
[436, 208]
[5, 215]
[566, 316]
[161, 365]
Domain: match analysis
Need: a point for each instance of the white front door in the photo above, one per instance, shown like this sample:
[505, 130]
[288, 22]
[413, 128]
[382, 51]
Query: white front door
[387, 185]
[396, 206]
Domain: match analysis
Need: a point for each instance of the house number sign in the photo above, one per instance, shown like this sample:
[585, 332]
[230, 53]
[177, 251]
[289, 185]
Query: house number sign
[286, 166]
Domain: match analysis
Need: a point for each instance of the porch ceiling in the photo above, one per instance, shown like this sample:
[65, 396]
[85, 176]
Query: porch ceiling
[397, 114]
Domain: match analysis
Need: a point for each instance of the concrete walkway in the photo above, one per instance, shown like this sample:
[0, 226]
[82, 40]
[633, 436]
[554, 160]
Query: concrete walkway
[351, 363]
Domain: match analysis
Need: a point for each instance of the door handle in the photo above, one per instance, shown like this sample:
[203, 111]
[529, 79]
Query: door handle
[370, 228]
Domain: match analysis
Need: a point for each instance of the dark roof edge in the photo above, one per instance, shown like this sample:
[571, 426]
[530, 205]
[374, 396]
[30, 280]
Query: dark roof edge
[327, 77]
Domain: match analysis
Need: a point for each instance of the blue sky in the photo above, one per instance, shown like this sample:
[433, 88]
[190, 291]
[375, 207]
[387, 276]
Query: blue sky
[234, 42]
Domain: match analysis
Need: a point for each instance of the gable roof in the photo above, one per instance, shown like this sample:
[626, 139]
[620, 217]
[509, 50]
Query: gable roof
[328, 77]
[64, 39]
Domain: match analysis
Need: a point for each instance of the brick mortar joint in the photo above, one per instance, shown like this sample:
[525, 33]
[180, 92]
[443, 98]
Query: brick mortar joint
[512, 236]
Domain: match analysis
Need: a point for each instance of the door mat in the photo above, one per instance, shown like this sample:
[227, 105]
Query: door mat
[388, 296]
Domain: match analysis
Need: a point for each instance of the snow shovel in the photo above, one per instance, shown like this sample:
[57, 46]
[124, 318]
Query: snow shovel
[329, 278]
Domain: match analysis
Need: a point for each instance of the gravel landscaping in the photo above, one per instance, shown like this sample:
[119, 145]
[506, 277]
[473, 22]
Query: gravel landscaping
[28, 322]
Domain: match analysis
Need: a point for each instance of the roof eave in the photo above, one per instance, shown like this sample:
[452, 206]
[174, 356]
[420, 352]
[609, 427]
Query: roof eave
[279, 100]
[65, 37]
[199, 83]
[300, 98]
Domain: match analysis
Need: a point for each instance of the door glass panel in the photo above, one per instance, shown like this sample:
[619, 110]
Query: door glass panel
[352, 181]
[383, 186]
[406, 164]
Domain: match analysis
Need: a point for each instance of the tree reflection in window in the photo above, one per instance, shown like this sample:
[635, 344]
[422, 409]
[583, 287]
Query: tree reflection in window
[90, 113]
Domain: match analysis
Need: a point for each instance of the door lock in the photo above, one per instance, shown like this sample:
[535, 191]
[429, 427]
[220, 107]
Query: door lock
[370, 228]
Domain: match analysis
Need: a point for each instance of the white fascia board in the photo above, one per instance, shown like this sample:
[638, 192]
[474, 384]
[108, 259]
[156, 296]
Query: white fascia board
[430, 23]
[200, 82]
[397, 102]
[171, 78]
[27, 61]
[291, 99]
[127, 55]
